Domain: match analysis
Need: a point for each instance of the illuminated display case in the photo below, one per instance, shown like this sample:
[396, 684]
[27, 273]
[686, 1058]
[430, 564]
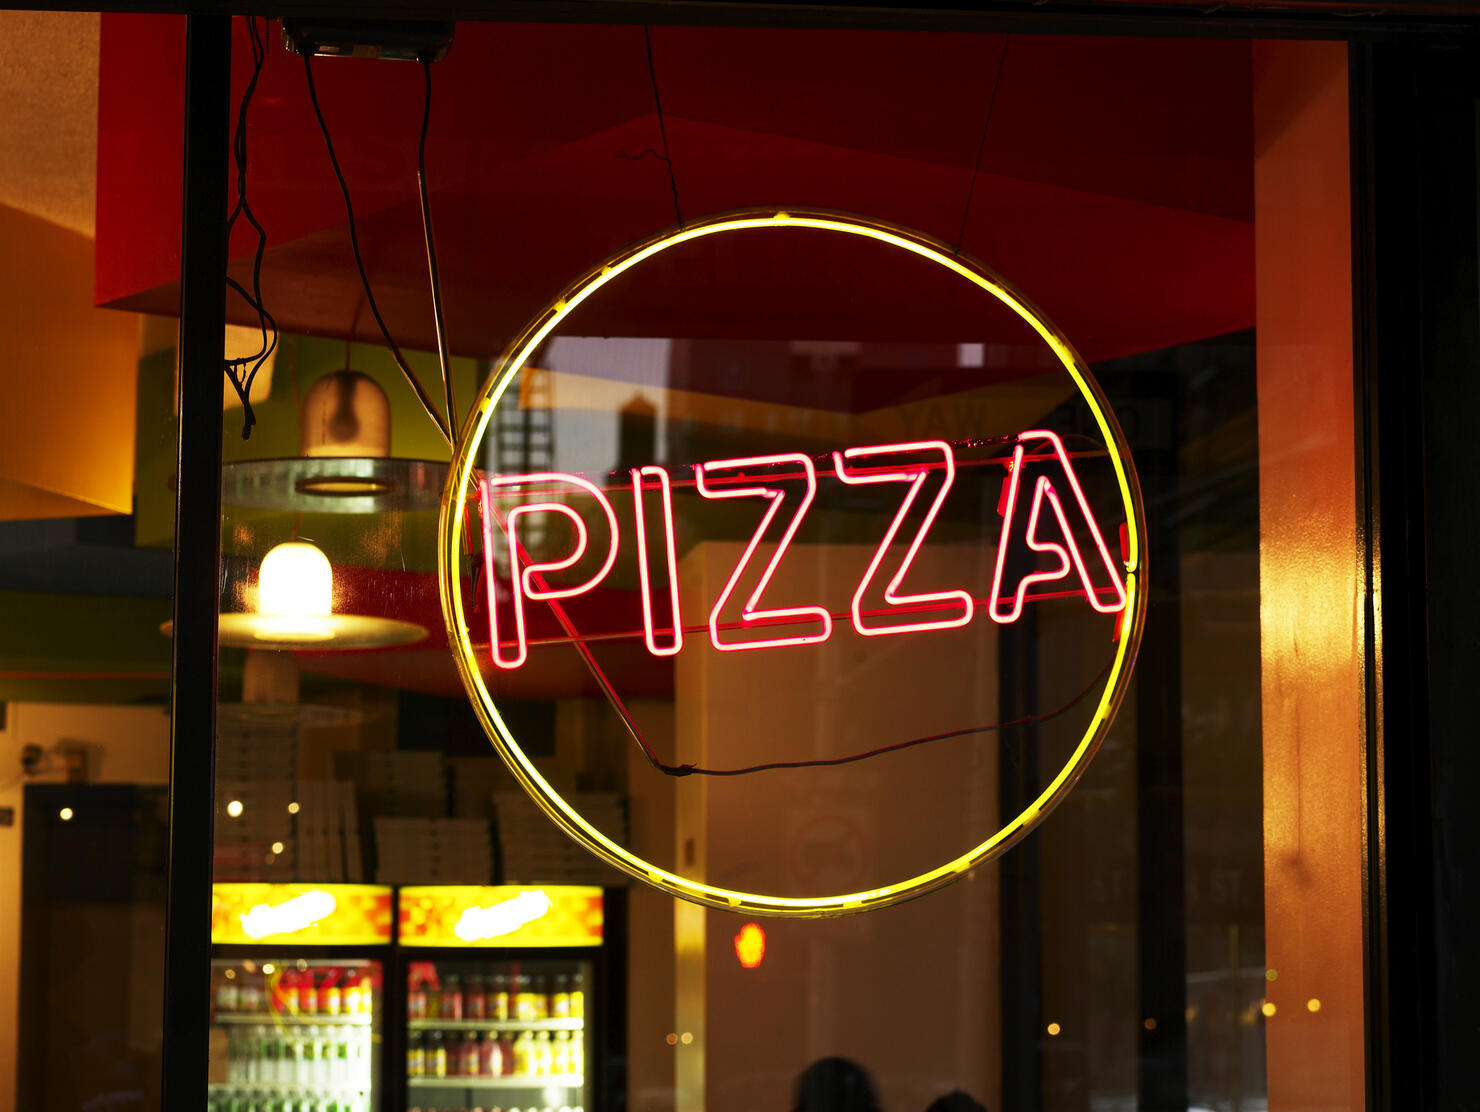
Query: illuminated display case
[509, 996]
[298, 997]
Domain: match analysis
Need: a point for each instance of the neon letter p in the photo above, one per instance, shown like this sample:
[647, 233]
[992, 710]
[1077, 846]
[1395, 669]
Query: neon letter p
[526, 576]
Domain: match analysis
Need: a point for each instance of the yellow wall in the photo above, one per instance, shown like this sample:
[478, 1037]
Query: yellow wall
[66, 378]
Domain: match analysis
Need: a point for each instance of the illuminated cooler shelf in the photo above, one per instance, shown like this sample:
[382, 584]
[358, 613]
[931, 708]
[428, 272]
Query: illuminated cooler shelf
[496, 1024]
[295, 1086]
[554, 1080]
[273, 1019]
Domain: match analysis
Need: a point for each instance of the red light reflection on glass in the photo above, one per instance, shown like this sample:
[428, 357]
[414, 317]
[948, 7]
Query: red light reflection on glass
[750, 945]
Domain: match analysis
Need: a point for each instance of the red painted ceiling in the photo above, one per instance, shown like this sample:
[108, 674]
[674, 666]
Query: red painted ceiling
[1116, 182]
[1115, 188]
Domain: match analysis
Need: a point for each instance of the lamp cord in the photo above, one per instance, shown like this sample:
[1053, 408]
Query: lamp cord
[426, 227]
[982, 144]
[995, 727]
[666, 156]
[242, 371]
[354, 239]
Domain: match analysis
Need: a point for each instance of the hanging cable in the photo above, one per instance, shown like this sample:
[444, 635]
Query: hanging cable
[354, 239]
[982, 144]
[426, 227]
[242, 371]
[667, 155]
[996, 727]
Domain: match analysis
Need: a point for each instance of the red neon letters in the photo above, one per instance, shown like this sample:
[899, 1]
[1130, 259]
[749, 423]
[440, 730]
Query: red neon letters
[749, 614]
[916, 477]
[1044, 490]
[913, 463]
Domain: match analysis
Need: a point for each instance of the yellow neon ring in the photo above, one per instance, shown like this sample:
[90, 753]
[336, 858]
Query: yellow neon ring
[449, 539]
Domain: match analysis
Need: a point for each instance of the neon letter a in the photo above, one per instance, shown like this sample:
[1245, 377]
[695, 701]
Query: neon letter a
[1067, 554]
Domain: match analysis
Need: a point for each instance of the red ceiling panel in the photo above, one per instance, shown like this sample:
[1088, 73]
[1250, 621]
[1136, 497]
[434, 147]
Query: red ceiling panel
[1115, 189]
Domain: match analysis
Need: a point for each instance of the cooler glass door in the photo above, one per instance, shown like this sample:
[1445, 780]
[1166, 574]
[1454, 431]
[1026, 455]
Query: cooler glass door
[508, 1034]
[290, 1034]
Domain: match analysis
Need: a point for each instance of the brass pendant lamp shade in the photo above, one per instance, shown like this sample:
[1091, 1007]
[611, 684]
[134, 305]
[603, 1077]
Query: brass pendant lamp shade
[346, 414]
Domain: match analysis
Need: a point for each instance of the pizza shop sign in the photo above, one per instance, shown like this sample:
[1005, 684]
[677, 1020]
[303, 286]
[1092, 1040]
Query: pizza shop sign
[912, 466]
[1044, 511]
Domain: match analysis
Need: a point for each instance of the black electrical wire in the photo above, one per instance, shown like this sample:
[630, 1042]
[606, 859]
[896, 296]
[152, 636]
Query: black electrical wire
[1029, 720]
[667, 155]
[237, 369]
[426, 227]
[982, 144]
[354, 239]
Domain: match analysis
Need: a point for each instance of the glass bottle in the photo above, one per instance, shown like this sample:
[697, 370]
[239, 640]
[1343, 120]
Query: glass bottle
[490, 1056]
[416, 1057]
[475, 999]
[524, 1054]
[498, 1003]
[471, 1057]
[331, 996]
[436, 1055]
[308, 994]
[578, 996]
[544, 1054]
[560, 1000]
[416, 999]
[452, 998]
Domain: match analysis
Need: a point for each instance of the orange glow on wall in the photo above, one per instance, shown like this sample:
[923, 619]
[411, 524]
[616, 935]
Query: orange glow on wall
[750, 945]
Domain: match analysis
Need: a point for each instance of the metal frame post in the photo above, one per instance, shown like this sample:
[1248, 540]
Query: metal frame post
[197, 562]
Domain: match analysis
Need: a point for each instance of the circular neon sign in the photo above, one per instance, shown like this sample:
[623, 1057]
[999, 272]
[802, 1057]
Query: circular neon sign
[1113, 586]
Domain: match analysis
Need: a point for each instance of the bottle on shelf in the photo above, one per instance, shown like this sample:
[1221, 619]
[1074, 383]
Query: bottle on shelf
[578, 996]
[308, 993]
[436, 1055]
[475, 999]
[268, 1070]
[490, 1056]
[416, 998]
[454, 1042]
[227, 992]
[452, 997]
[524, 1054]
[498, 1000]
[560, 999]
[331, 995]
[560, 1058]
[577, 1055]
[416, 1058]
[542, 1000]
[433, 989]
[523, 998]
[471, 1058]
[544, 1055]
[355, 995]
[339, 1068]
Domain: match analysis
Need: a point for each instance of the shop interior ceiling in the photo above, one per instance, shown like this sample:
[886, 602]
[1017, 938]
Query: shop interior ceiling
[1136, 152]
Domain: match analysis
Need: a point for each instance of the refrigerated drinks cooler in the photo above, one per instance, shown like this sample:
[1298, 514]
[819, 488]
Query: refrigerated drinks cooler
[506, 993]
[298, 1000]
